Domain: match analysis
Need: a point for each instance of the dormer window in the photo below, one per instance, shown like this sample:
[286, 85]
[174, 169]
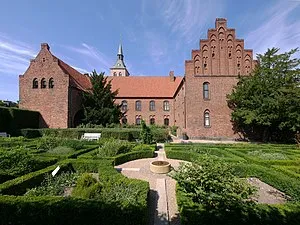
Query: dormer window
[43, 83]
[51, 83]
[35, 83]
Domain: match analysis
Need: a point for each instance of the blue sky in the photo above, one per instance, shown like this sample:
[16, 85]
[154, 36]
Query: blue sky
[157, 35]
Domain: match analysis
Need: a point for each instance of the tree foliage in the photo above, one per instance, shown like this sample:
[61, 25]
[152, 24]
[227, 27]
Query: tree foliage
[146, 134]
[99, 102]
[266, 104]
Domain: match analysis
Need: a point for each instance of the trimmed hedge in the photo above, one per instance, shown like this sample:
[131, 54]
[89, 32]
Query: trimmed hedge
[259, 214]
[19, 210]
[122, 158]
[19, 185]
[13, 119]
[59, 210]
[129, 134]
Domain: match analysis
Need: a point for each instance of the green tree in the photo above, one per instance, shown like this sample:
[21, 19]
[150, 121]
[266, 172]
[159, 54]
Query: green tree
[146, 134]
[266, 104]
[99, 102]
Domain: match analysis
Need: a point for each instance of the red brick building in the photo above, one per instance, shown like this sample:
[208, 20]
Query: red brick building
[196, 103]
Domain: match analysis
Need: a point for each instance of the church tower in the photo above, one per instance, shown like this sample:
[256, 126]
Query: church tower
[119, 69]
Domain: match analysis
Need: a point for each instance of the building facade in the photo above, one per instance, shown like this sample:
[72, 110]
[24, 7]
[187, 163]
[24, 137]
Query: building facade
[196, 102]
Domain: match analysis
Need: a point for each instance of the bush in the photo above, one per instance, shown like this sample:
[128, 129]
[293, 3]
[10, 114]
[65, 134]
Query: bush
[211, 183]
[87, 187]
[52, 186]
[112, 147]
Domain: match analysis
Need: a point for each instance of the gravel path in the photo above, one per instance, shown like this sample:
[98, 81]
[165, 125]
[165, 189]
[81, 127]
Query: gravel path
[162, 198]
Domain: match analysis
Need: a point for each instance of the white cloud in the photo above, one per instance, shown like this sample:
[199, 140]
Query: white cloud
[189, 18]
[277, 30]
[95, 60]
[14, 55]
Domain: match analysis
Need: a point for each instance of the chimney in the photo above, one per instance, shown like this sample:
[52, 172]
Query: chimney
[171, 75]
[45, 46]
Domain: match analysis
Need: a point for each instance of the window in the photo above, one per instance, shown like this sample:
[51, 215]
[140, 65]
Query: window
[152, 105]
[43, 83]
[115, 74]
[124, 105]
[152, 121]
[124, 120]
[138, 120]
[51, 83]
[166, 121]
[35, 83]
[166, 106]
[120, 74]
[206, 118]
[138, 105]
[206, 90]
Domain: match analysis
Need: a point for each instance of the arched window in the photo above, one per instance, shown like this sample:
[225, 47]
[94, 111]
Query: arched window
[43, 83]
[138, 105]
[166, 106]
[51, 83]
[206, 118]
[152, 105]
[35, 83]
[206, 90]
[120, 74]
[166, 121]
[152, 121]
[124, 105]
[138, 120]
[115, 74]
[124, 120]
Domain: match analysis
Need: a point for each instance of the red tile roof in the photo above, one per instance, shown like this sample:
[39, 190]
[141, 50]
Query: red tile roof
[145, 87]
[78, 80]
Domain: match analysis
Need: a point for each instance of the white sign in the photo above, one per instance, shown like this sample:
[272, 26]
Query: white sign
[55, 171]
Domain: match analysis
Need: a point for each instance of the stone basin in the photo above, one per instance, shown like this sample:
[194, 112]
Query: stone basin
[160, 167]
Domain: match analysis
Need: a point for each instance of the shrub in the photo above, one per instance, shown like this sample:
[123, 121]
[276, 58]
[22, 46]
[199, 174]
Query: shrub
[211, 182]
[112, 147]
[87, 187]
[146, 134]
[132, 156]
[52, 186]
[61, 150]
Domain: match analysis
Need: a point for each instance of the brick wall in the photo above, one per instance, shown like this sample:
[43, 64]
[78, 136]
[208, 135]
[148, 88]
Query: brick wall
[52, 103]
[219, 61]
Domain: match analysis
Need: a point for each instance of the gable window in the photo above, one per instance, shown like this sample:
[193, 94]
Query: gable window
[206, 90]
[138, 105]
[51, 83]
[166, 121]
[152, 121]
[166, 106]
[35, 83]
[206, 118]
[152, 105]
[124, 106]
[138, 120]
[43, 83]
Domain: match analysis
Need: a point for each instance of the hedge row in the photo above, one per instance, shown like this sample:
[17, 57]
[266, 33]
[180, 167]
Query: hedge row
[129, 134]
[58, 210]
[123, 158]
[288, 185]
[38, 163]
[19, 210]
[260, 214]
[13, 119]
[19, 185]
